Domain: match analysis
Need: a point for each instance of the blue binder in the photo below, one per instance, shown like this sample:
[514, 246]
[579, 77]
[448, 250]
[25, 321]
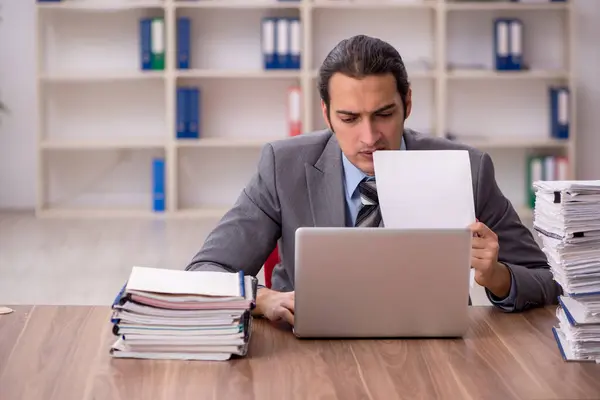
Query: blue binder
[158, 184]
[184, 31]
[516, 44]
[194, 112]
[501, 44]
[559, 112]
[282, 40]
[295, 43]
[182, 118]
[146, 43]
[268, 37]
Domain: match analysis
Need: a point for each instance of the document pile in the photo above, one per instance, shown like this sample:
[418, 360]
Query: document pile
[567, 219]
[186, 315]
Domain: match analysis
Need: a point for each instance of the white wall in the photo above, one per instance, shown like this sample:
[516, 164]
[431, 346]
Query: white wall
[18, 156]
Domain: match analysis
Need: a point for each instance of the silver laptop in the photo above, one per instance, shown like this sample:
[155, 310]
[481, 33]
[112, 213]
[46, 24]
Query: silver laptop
[381, 282]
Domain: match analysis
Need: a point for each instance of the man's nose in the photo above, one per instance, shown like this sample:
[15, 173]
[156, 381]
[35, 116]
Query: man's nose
[369, 135]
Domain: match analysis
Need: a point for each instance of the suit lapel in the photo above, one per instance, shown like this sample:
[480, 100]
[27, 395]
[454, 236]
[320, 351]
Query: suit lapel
[325, 187]
[409, 140]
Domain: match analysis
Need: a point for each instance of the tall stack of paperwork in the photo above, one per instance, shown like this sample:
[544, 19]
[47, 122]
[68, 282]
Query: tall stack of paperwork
[567, 219]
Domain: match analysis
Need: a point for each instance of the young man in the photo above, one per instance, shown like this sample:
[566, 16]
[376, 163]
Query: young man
[317, 179]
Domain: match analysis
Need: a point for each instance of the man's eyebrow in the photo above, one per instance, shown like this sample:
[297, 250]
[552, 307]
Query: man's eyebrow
[381, 109]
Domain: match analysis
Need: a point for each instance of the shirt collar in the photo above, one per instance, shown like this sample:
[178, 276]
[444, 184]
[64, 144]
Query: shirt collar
[353, 176]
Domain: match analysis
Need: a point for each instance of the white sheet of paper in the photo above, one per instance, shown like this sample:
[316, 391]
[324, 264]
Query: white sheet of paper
[424, 189]
[180, 282]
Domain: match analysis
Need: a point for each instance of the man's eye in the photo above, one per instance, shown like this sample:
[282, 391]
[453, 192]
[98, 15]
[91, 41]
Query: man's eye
[348, 120]
[385, 115]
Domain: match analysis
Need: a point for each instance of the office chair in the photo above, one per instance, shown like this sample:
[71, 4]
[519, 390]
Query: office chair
[271, 262]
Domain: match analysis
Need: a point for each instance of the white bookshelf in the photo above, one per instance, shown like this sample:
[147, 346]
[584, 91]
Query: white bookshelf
[102, 119]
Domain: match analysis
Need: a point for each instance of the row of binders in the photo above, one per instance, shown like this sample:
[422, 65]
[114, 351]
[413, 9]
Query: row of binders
[508, 44]
[567, 220]
[281, 43]
[544, 168]
[183, 315]
[152, 43]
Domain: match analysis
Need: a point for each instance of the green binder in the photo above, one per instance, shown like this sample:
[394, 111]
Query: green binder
[535, 172]
[158, 44]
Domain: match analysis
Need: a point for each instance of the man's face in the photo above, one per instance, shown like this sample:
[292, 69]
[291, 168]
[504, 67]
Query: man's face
[366, 115]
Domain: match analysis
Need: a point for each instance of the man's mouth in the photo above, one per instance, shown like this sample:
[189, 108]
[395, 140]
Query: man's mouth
[369, 152]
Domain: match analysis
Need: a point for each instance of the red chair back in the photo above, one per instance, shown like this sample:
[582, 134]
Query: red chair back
[270, 264]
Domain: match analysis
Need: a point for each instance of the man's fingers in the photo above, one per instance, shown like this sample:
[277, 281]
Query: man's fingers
[482, 254]
[288, 316]
[288, 304]
[479, 243]
[482, 230]
[283, 313]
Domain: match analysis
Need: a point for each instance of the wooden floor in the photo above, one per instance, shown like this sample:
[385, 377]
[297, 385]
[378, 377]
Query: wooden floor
[85, 262]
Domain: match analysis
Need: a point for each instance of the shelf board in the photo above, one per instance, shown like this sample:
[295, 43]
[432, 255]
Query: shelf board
[101, 5]
[412, 74]
[374, 4]
[513, 143]
[238, 4]
[503, 6]
[100, 144]
[101, 76]
[464, 74]
[226, 142]
[253, 74]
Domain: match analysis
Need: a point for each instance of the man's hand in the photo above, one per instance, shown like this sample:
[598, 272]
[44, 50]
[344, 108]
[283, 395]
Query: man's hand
[275, 306]
[489, 272]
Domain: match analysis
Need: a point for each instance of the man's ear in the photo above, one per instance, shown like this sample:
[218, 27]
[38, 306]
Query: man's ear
[408, 102]
[325, 116]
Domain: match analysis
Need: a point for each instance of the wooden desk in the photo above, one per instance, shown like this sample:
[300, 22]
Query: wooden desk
[62, 353]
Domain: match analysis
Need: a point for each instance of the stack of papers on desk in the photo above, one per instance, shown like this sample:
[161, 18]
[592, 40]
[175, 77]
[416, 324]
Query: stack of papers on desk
[187, 315]
[567, 219]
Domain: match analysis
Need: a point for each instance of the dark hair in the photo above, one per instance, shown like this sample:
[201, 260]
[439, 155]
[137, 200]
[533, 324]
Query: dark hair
[361, 56]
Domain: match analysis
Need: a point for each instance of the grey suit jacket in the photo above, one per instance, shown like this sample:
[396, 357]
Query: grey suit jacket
[299, 182]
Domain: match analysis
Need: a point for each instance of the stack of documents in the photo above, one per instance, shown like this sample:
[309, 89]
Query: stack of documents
[567, 219]
[187, 315]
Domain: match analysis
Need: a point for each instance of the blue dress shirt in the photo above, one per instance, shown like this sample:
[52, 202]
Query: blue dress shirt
[353, 176]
